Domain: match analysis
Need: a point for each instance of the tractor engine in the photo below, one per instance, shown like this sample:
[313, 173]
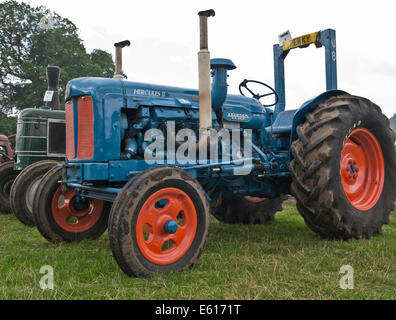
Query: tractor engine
[110, 118]
[111, 123]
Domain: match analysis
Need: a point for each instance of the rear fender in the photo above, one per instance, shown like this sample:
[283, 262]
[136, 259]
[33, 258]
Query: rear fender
[309, 106]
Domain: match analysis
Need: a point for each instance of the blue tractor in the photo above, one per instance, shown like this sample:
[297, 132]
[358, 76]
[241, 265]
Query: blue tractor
[138, 161]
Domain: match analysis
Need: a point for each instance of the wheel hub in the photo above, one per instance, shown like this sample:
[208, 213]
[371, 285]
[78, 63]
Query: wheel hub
[171, 227]
[362, 169]
[166, 226]
[30, 194]
[73, 215]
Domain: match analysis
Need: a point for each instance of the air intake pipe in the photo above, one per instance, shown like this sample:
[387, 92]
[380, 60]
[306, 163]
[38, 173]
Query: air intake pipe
[53, 75]
[219, 84]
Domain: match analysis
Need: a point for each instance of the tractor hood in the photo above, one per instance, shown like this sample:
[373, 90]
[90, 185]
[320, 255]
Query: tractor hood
[136, 94]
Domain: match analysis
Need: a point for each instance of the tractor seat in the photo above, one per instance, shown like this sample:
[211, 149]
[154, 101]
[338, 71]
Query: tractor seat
[283, 122]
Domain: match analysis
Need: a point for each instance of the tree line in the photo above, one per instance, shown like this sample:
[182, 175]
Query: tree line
[32, 38]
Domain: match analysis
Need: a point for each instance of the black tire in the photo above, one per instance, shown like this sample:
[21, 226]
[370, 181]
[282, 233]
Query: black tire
[241, 210]
[126, 210]
[315, 168]
[7, 177]
[44, 217]
[24, 187]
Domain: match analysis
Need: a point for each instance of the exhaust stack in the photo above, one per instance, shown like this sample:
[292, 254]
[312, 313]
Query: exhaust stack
[118, 58]
[52, 94]
[205, 96]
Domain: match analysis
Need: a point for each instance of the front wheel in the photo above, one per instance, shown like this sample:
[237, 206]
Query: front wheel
[159, 223]
[61, 216]
[24, 188]
[344, 169]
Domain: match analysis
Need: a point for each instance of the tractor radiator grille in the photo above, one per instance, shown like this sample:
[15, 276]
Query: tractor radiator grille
[70, 148]
[85, 139]
[85, 129]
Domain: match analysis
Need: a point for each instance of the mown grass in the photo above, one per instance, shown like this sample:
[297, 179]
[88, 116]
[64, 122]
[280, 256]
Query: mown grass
[280, 260]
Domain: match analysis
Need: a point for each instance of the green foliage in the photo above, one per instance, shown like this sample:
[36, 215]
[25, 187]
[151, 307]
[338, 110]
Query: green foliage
[7, 125]
[27, 48]
[104, 62]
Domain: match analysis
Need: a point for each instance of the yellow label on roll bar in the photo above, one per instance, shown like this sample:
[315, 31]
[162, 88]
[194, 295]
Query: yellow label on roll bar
[302, 41]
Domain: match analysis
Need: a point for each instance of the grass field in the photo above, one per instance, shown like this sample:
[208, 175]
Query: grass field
[279, 260]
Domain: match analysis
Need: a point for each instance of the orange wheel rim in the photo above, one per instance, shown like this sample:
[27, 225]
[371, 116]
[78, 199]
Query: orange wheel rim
[168, 205]
[362, 169]
[71, 219]
[255, 199]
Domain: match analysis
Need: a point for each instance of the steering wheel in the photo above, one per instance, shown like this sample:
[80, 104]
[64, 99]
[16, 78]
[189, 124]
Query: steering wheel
[244, 84]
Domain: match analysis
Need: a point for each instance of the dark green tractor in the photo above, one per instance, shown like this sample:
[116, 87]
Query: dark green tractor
[40, 145]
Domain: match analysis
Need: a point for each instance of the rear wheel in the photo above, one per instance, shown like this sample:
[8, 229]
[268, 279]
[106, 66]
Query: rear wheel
[344, 168]
[159, 223]
[7, 177]
[24, 188]
[247, 210]
[61, 216]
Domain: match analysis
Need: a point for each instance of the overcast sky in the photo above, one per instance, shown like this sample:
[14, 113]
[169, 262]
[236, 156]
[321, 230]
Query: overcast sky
[165, 41]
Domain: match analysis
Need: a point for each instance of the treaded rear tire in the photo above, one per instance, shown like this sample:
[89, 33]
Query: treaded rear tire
[239, 210]
[315, 168]
[21, 186]
[7, 177]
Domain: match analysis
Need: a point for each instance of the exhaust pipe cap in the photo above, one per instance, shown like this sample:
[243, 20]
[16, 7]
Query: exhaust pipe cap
[207, 13]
